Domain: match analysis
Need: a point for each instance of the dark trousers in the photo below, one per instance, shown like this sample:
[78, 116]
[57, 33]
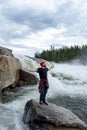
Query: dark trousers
[43, 94]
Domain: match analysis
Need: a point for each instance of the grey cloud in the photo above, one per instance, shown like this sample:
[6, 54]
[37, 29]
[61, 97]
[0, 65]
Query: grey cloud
[36, 19]
[67, 15]
[11, 34]
[31, 18]
[14, 45]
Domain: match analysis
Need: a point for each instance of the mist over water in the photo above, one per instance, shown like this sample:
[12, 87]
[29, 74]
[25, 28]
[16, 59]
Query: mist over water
[81, 60]
[68, 88]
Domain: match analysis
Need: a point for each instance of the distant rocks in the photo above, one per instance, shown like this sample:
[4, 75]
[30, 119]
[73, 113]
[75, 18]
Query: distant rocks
[51, 117]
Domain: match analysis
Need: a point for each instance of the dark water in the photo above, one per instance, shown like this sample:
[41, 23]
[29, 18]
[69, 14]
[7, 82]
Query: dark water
[77, 105]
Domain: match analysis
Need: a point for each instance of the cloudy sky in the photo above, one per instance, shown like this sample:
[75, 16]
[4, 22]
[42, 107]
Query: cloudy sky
[29, 26]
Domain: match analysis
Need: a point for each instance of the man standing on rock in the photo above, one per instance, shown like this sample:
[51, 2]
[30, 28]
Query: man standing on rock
[43, 83]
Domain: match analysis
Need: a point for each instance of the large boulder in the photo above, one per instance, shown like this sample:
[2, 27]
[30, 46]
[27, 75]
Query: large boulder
[5, 51]
[11, 73]
[51, 117]
[9, 70]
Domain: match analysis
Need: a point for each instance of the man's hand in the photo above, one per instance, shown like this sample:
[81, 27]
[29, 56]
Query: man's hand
[52, 66]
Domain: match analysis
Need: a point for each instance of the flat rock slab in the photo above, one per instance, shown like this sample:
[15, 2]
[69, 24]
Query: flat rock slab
[51, 117]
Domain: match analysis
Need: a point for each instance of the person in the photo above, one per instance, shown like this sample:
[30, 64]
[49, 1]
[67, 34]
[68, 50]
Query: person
[43, 83]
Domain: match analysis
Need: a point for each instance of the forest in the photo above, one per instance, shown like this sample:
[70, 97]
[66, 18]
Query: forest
[63, 54]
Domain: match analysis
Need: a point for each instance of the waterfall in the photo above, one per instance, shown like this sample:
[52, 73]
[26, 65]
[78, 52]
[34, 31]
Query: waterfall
[68, 83]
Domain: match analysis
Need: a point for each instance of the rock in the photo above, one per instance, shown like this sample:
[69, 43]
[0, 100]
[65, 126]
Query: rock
[5, 51]
[11, 73]
[29, 78]
[9, 70]
[0, 97]
[51, 117]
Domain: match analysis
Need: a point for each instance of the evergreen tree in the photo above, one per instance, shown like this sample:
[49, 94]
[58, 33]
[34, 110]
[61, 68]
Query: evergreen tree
[62, 54]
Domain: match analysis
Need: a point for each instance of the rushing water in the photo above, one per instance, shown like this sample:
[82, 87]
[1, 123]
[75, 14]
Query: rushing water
[68, 88]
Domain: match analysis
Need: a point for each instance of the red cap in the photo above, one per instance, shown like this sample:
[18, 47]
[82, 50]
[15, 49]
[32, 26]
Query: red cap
[42, 63]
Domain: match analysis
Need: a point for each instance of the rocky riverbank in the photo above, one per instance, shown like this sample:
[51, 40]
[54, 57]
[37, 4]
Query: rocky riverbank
[11, 72]
[36, 116]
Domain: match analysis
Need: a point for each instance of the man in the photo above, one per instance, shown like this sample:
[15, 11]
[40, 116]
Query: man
[43, 83]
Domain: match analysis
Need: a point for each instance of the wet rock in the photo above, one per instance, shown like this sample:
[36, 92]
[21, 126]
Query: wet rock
[0, 97]
[51, 117]
[11, 73]
[27, 78]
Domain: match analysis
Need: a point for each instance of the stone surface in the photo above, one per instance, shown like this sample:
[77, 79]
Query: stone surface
[51, 117]
[11, 73]
[9, 70]
[29, 78]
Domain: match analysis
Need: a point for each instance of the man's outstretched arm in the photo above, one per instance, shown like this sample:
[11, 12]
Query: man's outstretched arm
[28, 70]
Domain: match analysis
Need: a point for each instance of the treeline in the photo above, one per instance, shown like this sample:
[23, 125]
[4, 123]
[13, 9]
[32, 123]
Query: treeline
[62, 54]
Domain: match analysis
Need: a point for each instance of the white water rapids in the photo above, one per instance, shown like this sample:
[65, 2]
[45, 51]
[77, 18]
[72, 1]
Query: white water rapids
[67, 80]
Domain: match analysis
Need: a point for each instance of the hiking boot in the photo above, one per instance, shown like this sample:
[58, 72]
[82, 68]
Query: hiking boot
[41, 102]
[45, 103]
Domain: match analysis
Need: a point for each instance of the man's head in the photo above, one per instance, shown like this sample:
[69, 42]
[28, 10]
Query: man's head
[42, 64]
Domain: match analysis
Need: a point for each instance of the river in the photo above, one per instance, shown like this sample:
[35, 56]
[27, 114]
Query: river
[68, 88]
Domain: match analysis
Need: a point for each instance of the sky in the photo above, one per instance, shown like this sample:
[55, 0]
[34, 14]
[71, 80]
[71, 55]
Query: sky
[30, 26]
